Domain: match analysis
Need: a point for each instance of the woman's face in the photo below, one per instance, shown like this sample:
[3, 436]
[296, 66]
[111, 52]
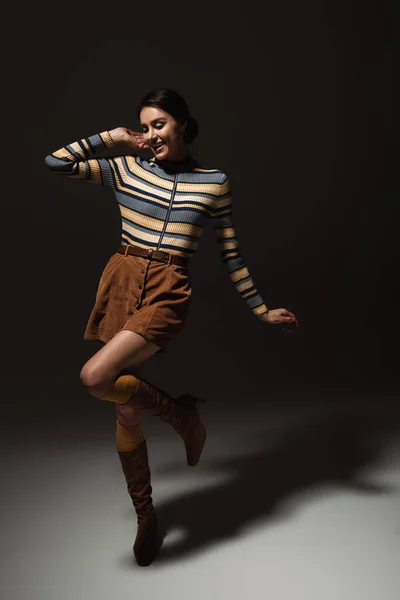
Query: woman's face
[162, 133]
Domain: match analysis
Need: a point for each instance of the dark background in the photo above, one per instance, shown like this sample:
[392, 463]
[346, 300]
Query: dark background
[294, 102]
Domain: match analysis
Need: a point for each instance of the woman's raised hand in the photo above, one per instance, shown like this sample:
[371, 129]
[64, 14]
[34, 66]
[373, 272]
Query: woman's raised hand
[280, 316]
[133, 139]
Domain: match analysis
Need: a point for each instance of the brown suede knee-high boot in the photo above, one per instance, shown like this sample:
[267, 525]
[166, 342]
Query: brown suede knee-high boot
[149, 537]
[179, 412]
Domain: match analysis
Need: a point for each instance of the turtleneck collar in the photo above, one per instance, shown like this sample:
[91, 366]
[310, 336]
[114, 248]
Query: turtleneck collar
[187, 164]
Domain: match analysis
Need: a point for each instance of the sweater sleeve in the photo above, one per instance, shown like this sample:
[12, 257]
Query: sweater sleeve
[78, 161]
[229, 251]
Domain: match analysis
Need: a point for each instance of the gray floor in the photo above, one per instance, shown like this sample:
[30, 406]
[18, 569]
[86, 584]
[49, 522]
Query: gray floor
[290, 501]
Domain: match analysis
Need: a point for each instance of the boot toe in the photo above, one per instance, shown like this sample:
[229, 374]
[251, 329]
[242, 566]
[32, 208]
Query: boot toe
[194, 447]
[149, 539]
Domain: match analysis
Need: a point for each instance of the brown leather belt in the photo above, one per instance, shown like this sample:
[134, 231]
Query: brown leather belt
[151, 254]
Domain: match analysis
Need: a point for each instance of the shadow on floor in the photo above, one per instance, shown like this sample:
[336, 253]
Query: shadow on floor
[330, 450]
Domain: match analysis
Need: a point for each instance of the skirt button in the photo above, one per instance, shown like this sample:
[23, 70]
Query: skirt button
[143, 270]
[140, 286]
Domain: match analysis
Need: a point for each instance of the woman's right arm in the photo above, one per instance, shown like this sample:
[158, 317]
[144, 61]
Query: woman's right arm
[78, 159]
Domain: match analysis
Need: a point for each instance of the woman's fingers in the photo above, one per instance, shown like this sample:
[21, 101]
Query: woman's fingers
[292, 318]
[138, 137]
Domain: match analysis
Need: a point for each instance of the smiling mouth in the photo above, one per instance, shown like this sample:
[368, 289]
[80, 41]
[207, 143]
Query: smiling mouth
[158, 147]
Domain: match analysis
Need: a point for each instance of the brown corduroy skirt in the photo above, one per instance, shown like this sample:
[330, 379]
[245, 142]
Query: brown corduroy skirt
[148, 297]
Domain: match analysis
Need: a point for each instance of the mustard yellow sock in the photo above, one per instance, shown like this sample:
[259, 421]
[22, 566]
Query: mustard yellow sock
[121, 389]
[129, 438]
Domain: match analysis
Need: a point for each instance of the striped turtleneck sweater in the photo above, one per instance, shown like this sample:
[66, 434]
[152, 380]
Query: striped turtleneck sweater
[163, 205]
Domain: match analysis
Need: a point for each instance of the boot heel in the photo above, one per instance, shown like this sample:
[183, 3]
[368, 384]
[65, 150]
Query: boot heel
[190, 397]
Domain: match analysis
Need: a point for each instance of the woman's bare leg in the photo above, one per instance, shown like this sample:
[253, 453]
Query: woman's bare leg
[126, 350]
[100, 375]
[123, 354]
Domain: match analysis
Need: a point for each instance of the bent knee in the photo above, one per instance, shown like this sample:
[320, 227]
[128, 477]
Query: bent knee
[96, 380]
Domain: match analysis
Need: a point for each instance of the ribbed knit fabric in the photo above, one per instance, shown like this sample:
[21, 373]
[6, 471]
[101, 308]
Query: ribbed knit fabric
[163, 207]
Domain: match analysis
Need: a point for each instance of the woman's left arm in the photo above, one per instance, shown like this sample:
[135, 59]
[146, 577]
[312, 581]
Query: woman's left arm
[230, 255]
[229, 251]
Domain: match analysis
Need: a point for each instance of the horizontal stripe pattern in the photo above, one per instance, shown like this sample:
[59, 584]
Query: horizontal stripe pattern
[143, 190]
[228, 244]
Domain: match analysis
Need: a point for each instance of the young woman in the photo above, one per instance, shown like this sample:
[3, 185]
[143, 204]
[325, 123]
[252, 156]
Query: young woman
[145, 289]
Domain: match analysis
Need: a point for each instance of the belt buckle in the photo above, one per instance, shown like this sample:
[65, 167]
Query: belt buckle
[149, 253]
